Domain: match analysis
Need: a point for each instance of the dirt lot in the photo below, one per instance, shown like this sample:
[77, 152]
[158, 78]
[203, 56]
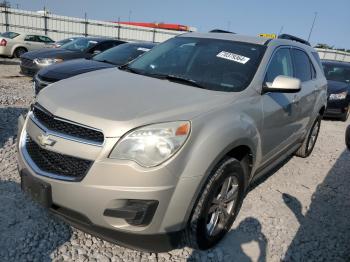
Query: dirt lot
[299, 213]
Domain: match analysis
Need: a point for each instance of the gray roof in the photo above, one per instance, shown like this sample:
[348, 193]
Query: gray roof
[228, 36]
[247, 39]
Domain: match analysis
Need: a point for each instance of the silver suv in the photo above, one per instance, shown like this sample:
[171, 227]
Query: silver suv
[159, 153]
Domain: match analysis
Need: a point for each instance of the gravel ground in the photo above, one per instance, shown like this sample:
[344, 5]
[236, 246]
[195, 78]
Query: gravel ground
[299, 213]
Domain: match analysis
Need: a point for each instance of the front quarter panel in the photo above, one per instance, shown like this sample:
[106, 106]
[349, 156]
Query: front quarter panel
[213, 136]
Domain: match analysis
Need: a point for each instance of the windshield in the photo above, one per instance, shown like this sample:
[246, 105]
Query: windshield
[81, 44]
[340, 73]
[121, 54]
[65, 41]
[10, 35]
[213, 64]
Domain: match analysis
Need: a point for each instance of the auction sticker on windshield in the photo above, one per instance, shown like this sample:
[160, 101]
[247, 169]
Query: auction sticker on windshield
[233, 57]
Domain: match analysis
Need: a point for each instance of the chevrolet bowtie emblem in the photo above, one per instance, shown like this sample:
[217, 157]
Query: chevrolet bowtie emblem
[45, 140]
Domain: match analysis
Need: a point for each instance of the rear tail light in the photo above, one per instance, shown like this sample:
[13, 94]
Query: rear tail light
[3, 42]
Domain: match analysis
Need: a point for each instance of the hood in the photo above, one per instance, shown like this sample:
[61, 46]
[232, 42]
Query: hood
[116, 101]
[53, 53]
[71, 68]
[335, 87]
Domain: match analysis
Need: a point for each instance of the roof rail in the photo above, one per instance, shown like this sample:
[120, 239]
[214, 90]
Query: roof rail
[294, 38]
[221, 31]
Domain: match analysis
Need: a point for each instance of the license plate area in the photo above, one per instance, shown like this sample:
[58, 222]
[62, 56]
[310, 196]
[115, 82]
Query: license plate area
[38, 190]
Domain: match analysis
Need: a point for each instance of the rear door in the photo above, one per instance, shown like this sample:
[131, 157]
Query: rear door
[306, 98]
[280, 112]
[32, 42]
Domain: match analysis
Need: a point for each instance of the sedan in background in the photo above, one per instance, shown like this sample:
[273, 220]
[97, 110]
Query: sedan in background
[62, 42]
[13, 44]
[85, 47]
[338, 77]
[113, 57]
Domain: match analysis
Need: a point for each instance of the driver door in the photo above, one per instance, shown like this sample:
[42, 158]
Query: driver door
[280, 110]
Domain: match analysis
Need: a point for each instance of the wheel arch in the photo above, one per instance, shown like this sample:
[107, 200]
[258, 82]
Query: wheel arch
[17, 47]
[242, 150]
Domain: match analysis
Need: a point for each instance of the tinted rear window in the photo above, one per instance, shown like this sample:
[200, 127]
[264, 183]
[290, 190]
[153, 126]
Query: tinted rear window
[317, 58]
[302, 66]
[10, 35]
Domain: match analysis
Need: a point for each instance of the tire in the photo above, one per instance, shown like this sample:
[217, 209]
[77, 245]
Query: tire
[345, 116]
[309, 142]
[347, 137]
[19, 51]
[209, 221]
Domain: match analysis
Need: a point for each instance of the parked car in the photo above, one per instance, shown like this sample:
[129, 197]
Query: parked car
[32, 62]
[14, 44]
[113, 57]
[160, 153]
[338, 76]
[62, 42]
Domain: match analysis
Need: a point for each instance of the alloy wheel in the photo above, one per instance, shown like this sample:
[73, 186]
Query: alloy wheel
[222, 205]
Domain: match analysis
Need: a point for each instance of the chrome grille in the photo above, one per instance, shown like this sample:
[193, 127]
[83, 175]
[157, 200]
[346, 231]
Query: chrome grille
[74, 130]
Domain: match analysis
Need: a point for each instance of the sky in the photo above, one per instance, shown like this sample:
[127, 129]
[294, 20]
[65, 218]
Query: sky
[248, 17]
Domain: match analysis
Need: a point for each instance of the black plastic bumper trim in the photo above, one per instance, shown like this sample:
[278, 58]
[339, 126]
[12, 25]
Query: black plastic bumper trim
[149, 243]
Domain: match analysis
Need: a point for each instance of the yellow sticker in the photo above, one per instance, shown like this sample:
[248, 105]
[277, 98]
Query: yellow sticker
[268, 35]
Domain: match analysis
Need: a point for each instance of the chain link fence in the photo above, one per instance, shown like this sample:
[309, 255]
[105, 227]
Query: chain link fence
[58, 27]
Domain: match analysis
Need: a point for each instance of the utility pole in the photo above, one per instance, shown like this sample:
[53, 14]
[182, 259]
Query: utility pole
[312, 26]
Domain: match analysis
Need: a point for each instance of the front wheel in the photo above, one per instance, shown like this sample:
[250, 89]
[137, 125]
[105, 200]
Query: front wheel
[217, 206]
[309, 142]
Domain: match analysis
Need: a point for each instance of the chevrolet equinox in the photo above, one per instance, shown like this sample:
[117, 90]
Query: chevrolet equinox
[159, 153]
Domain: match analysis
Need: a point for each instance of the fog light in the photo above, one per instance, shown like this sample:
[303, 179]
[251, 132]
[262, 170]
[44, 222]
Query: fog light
[135, 212]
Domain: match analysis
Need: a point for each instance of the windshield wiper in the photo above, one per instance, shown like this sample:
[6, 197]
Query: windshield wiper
[126, 67]
[183, 80]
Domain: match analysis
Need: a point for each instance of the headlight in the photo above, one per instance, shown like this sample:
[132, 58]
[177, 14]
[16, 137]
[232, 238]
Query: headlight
[151, 145]
[47, 61]
[338, 96]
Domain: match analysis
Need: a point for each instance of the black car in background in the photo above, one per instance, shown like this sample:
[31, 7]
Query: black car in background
[113, 57]
[84, 47]
[338, 76]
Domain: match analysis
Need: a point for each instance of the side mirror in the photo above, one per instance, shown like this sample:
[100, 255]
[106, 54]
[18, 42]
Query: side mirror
[283, 84]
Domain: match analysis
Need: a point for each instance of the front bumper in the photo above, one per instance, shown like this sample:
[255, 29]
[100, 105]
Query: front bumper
[150, 243]
[336, 108]
[108, 185]
[28, 67]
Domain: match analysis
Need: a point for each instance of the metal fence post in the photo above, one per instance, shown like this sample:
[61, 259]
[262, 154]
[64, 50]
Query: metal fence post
[45, 23]
[118, 27]
[86, 25]
[154, 35]
[7, 24]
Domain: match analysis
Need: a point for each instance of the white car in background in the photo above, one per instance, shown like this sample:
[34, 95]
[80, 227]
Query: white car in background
[14, 44]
